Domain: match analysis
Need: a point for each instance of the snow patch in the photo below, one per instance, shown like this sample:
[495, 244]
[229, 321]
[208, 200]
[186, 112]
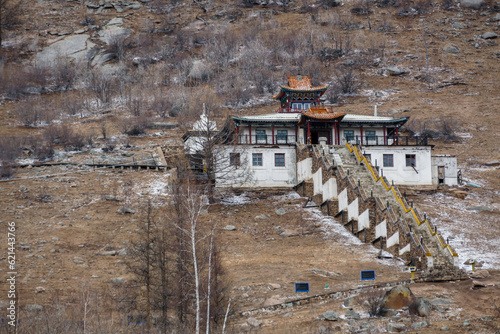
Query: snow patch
[236, 199]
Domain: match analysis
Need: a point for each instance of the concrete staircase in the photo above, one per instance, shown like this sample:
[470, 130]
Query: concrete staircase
[438, 260]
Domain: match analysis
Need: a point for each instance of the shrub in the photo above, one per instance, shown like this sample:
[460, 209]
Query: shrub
[347, 81]
[161, 105]
[118, 46]
[65, 136]
[64, 75]
[330, 3]
[101, 85]
[373, 301]
[447, 128]
[42, 152]
[40, 148]
[10, 150]
[248, 3]
[29, 112]
[136, 126]
[73, 105]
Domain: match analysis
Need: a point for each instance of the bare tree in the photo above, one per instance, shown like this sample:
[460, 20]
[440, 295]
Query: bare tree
[193, 202]
[30, 112]
[101, 86]
[211, 150]
[142, 257]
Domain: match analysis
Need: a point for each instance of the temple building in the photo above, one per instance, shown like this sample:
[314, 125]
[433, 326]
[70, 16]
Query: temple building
[268, 142]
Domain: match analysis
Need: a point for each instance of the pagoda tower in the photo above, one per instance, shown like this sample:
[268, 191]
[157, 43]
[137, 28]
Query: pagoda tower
[299, 95]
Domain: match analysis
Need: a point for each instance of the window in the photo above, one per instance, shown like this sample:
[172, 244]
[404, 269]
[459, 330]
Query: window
[388, 160]
[370, 136]
[297, 106]
[234, 159]
[411, 160]
[282, 136]
[349, 135]
[257, 159]
[279, 159]
[307, 106]
[261, 136]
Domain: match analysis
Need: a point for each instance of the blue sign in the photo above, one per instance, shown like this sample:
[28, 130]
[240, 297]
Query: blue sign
[301, 287]
[367, 275]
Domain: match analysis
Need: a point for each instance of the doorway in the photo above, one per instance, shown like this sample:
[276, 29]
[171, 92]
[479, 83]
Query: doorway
[441, 175]
[318, 136]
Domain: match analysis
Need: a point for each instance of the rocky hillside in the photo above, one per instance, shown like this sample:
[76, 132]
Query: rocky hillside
[109, 81]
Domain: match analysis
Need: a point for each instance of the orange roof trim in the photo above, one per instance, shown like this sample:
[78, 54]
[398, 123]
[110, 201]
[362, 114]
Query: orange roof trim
[322, 113]
[302, 83]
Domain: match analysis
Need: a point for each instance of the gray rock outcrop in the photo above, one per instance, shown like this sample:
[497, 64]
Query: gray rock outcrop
[474, 4]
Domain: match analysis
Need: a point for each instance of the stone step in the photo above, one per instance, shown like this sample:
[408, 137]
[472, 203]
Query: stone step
[359, 172]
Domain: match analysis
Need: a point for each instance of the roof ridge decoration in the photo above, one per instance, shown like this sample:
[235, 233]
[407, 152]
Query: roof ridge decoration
[323, 113]
[299, 83]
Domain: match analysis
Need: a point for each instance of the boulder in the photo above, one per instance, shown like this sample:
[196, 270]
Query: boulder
[397, 298]
[39, 289]
[118, 8]
[458, 25]
[395, 71]
[423, 307]
[117, 21]
[489, 35]
[111, 198]
[418, 325]
[440, 301]
[289, 233]
[395, 327]
[478, 284]
[254, 322]
[280, 211]
[76, 47]
[451, 49]
[474, 4]
[110, 253]
[348, 301]
[113, 32]
[124, 210]
[331, 316]
[480, 274]
[122, 252]
[274, 286]
[351, 314]
[134, 5]
[118, 280]
[229, 228]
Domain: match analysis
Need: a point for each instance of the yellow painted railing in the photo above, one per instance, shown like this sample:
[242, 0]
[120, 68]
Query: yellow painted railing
[376, 177]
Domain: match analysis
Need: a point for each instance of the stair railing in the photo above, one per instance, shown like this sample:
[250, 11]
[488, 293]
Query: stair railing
[398, 197]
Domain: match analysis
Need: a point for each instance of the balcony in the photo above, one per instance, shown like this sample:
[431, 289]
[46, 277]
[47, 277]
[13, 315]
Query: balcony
[267, 139]
[291, 110]
[387, 140]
